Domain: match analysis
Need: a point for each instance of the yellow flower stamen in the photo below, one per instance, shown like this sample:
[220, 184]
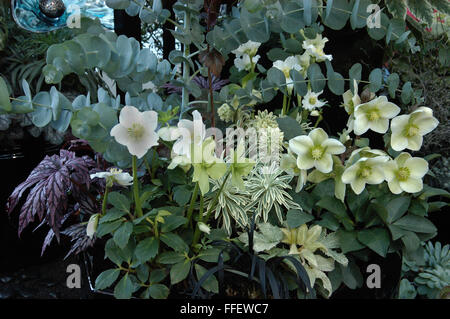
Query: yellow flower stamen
[373, 115]
[411, 130]
[312, 100]
[365, 172]
[136, 131]
[403, 174]
[317, 152]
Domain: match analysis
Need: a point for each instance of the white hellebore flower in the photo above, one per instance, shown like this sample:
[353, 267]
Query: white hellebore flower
[311, 101]
[288, 164]
[115, 175]
[92, 225]
[314, 47]
[136, 130]
[351, 101]
[408, 130]
[291, 63]
[246, 55]
[204, 228]
[374, 115]
[190, 132]
[316, 150]
[365, 171]
[168, 133]
[405, 173]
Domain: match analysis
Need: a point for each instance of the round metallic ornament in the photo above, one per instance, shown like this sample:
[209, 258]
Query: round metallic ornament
[52, 8]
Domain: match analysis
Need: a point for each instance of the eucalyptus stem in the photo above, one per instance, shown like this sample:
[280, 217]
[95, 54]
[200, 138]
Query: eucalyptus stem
[137, 199]
[200, 219]
[191, 205]
[186, 53]
[105, 200]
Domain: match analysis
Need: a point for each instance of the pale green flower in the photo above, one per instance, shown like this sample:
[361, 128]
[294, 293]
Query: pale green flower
[365, 171]
[405, 173]
[206, 164]
[311, 101]
[225, 113]
[204, 228]
[314, 47]
[264, 119]
[374, 115]
[316, 150]
[288, 163]
[92, 225]
[239, 165]
[408, 130]
[351, 100]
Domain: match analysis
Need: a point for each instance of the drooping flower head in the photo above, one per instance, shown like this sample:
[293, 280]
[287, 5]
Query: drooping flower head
[189, 132]
[311, 101]
[314, 47]
[374, 115]
[136, 130]
[115, 176]
[316, 150]
[291, 63]
[408, 130]
[405, 173]
[246, 55]
[351, 101]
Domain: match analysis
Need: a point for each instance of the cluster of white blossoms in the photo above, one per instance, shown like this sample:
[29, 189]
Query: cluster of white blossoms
[246, 57]
[403, 174]
[313, 53]
[407, 129]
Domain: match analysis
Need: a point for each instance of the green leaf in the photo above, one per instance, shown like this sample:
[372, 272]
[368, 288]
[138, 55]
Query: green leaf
[289, 126]
[416, 224]
[182, 194]
[333, 205]
[335, 80]
[292, 19]
[255, 26]
[124, 288]
[211, 255]
[122, 235]
[118, 4]
[411, 241]
[170, 257]
[119, 201]
[5, 104]
[354, 74]
[42, 115]
[337, 17]
[316, 78]
[211, 284]
[106, 278]
[157, 275]
[299, 82]
[397, 207]
[172, 222]
[393, 82]
[147, 249]
[376, 239]
[175, 242]
[376, 80]
[158, 291]
[179, 272]
[111, 215]
[348, 241]
[296, 218]
[407, 93]
[422, 10]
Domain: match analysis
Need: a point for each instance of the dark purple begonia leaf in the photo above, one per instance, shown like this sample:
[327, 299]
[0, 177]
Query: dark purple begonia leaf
[51, 180]
[79, 239]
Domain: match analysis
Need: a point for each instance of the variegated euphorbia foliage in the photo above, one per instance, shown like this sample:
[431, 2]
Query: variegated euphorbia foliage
[197, 177]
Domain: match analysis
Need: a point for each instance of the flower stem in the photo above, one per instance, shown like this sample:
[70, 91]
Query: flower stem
[105, 200]
[137, 199]
[191, 205]
[200, 218]
[283, 111]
